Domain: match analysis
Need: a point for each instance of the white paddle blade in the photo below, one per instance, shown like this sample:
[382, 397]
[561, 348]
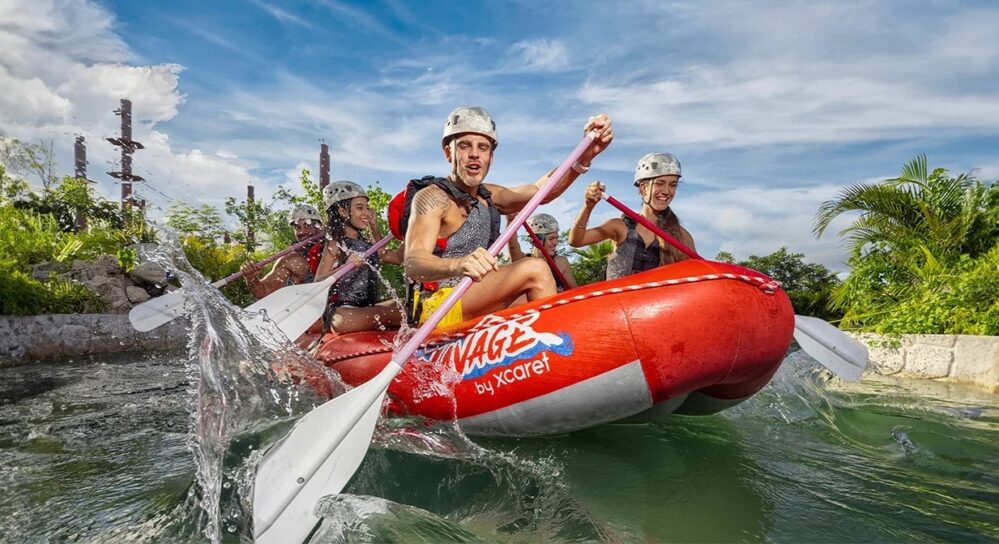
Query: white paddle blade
[844, 356]
[157, 311]
[294, 308]
[317, 458]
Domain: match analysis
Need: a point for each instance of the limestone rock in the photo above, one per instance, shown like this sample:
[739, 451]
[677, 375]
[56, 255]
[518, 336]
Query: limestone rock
[136, 294]
[928, 361]
[42, 271]
[148, 273]
[108, 264]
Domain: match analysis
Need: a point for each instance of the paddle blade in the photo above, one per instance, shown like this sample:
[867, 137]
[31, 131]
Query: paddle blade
[317, 458]
[157, 311]
[844, 356]
[294, 308]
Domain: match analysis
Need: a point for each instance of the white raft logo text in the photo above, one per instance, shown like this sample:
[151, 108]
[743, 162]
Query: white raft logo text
[497, 343]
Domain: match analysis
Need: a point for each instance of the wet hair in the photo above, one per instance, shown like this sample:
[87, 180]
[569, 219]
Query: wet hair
[336, 224]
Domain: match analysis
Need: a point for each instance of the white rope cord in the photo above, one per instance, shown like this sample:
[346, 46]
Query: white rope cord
[766, 285]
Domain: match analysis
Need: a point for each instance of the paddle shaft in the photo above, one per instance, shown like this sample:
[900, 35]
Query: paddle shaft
[452, 298]
[233, 277]
[551, 260]
[654, 228]
[400, 358]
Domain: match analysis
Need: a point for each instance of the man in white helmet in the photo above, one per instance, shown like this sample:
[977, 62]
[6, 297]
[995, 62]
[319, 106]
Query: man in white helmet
[464, 210]
[636, 248]
[294, 268]
[545, 227]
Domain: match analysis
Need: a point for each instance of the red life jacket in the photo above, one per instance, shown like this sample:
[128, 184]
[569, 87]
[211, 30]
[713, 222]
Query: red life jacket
[314, 255]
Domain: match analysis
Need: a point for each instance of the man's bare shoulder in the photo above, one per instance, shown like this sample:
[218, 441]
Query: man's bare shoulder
[430, 198]
[291, 259]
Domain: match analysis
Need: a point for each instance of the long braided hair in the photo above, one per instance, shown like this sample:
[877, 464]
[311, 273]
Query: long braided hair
[669, 222]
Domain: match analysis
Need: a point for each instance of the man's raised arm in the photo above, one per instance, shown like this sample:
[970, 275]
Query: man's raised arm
[512, 199]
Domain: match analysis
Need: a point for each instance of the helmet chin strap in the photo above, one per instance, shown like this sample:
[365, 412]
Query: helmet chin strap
[647, 197]
[453, 145]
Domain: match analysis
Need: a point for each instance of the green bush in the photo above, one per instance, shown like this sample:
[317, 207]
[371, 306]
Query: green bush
[27, 237]
[218, 261]
[961, 300]
[924, 256]
[20, 294]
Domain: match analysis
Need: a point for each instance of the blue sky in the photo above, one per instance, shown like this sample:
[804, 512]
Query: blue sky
[772, 107]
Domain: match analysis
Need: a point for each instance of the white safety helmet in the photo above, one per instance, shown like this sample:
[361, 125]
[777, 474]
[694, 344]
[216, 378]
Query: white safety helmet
[341, 190]
[542, 223]
[470, 119]
[654, 165]
[306, 212]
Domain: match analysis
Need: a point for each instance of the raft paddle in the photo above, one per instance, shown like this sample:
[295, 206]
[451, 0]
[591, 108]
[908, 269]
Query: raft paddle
[169, 306]
[296, 307]
[551, 260]
[325, 447]
[844, 356]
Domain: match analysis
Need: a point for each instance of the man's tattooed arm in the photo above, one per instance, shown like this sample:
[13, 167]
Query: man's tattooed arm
[430, 198]
[429, 207]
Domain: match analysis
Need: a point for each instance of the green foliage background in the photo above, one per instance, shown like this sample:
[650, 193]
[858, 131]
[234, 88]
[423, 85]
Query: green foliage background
[923, 253]
[924, 246]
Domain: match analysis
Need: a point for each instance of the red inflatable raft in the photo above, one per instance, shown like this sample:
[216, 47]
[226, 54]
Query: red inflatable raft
[694, 337]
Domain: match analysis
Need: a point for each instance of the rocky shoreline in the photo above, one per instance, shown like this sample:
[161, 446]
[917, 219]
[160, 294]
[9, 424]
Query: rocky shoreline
[117, 289]
[26, 339]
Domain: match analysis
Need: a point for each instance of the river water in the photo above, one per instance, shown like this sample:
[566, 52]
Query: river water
[106, 451]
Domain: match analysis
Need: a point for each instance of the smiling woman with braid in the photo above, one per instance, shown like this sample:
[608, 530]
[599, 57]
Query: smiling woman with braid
[636, 248]
[353, 300]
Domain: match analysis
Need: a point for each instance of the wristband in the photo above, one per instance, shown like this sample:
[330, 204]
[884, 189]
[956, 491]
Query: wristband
[579, 168]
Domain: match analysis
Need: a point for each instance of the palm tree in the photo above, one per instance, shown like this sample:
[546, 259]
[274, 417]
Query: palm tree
[910, 229]
[590, 264]
[926, 214]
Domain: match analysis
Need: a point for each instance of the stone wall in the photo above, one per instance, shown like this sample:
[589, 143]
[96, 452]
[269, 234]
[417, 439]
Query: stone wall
[31, 338]
[965, 359]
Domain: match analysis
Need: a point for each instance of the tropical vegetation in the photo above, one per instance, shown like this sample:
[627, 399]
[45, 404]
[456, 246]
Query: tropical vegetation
[924, 253]
[924, 246]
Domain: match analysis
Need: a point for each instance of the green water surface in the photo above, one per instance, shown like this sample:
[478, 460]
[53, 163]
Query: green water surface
[99, 451]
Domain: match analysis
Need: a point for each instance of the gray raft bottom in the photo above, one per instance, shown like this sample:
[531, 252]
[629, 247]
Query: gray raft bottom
[608, 397]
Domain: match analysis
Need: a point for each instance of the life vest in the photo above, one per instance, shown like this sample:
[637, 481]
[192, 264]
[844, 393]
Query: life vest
[399, 211]
[632, 256]
[401, 205]
[312, 255]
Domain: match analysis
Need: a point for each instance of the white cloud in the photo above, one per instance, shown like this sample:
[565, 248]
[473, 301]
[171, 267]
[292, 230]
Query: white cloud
[540, 55]
[62, 74]
[987, 172]
[759, 220]
[766, 74]
[736, 107]
[282, 15]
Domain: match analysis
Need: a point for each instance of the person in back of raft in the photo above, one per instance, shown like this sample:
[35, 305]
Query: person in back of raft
[294, 268]
[546, 228]
[353, 300]
[636, 248]
[465, 211]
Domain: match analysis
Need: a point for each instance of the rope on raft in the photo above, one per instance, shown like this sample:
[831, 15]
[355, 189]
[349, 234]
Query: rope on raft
[766, 285]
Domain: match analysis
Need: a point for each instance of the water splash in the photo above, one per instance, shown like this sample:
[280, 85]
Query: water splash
[243, 380]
